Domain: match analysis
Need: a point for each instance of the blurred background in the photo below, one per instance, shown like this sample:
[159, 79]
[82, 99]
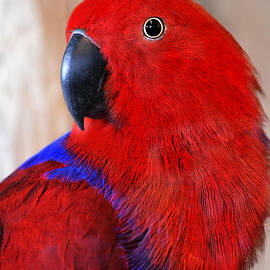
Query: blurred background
[32, 110]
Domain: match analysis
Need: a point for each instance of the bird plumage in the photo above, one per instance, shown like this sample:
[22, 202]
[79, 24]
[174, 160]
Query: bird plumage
[174, 177]
[52, 219]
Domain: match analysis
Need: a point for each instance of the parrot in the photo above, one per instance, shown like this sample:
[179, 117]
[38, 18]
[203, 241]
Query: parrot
[166, 164]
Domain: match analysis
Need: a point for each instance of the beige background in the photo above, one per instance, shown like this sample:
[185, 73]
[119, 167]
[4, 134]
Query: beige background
[32, 42]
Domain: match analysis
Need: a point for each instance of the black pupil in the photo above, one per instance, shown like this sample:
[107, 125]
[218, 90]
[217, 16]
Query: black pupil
[153, 28]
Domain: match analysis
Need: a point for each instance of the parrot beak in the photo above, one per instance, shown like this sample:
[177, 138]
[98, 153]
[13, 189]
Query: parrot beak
[82, 77]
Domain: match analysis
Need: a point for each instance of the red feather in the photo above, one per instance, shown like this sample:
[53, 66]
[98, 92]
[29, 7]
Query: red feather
[183, 152]
[184, 143]
[55, 225]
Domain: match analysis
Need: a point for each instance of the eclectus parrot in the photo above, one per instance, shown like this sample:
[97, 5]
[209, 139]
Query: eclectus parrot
[166, 164]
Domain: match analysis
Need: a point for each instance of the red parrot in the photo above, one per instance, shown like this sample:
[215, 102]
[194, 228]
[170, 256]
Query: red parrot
[166, 165]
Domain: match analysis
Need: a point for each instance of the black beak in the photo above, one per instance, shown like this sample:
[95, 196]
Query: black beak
[82, 77]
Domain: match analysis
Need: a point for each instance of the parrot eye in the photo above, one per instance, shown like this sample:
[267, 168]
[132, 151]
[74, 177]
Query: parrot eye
[153, 28]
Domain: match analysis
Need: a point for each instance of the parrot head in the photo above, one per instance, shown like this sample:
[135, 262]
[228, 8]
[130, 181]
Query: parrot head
[154, 65]
[165, 105]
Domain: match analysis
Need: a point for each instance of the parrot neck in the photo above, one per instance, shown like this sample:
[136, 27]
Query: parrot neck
[184, 194]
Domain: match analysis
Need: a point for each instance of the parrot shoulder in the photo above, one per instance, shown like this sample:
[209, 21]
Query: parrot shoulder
[48, 223]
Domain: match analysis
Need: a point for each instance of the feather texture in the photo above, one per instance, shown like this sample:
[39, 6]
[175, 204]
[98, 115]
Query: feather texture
[174, 178]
